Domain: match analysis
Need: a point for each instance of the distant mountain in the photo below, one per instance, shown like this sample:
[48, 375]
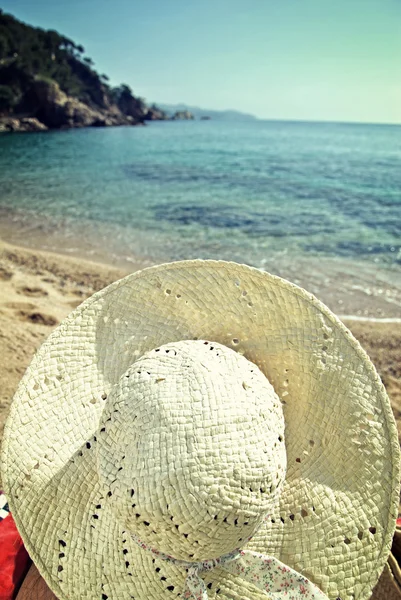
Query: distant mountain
[218, 115]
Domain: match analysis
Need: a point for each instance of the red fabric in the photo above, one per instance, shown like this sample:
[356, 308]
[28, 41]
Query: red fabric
[14, 559]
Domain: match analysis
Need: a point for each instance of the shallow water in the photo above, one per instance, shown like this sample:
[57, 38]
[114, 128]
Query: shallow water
[317, 203]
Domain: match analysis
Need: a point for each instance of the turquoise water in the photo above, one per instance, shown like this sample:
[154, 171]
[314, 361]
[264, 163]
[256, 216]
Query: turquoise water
[256, 192]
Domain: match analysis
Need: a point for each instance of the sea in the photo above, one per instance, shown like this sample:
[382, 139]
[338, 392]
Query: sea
[316, 203]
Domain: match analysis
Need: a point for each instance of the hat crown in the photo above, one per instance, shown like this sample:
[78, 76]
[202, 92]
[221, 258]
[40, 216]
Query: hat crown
[192, 450]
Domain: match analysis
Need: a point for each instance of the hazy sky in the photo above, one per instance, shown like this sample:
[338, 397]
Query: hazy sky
[278, 59]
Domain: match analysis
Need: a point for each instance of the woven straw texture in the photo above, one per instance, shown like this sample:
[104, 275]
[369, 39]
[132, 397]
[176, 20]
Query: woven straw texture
[64, 460]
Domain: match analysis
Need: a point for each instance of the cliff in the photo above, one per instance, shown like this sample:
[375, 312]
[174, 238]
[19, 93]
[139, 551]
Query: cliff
[46, 81]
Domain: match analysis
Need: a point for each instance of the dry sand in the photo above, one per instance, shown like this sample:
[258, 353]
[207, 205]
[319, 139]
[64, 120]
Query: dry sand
[39, 289]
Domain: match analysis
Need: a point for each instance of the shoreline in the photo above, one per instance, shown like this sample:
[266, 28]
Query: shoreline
[360, 319]
[38, 289]
[355, 288]
[75, 257]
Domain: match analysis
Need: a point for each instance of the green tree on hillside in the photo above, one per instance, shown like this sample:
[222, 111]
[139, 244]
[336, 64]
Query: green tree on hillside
[28, 54]
[46, 54]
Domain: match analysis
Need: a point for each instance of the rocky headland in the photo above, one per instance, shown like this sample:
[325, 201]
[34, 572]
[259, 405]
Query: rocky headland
[47, 82]
[182, 115]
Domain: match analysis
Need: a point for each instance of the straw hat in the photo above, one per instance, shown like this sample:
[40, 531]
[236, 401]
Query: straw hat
[194, 425]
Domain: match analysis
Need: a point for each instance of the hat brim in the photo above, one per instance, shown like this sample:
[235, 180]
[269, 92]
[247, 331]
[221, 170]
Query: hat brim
[335, 517]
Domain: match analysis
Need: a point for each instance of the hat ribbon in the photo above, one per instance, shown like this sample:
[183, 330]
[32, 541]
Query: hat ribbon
[265, 572]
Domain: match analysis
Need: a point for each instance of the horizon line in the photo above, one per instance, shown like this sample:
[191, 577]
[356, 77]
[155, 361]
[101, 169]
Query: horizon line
[274, 119]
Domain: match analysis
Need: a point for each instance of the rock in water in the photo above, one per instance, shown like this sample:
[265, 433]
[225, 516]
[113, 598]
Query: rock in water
[182, 115]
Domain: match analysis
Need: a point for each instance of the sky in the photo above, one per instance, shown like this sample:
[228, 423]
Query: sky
[320, 60]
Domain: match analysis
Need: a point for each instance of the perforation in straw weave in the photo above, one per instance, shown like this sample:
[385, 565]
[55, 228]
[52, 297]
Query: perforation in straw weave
[335, 516]
[190, 449]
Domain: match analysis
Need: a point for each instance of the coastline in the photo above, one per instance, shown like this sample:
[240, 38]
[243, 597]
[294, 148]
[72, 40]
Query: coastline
[38, 289]
[352, 288]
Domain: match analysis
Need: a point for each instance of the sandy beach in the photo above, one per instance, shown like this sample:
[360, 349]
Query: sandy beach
[39, 289]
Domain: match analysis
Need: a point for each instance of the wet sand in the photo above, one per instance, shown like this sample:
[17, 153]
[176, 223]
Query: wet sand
[347, 285]
[38, 289]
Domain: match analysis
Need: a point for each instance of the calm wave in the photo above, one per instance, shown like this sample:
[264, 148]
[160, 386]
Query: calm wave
[255, 192]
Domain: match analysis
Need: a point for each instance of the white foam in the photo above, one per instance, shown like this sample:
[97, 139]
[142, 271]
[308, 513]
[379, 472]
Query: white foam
[369, 319]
